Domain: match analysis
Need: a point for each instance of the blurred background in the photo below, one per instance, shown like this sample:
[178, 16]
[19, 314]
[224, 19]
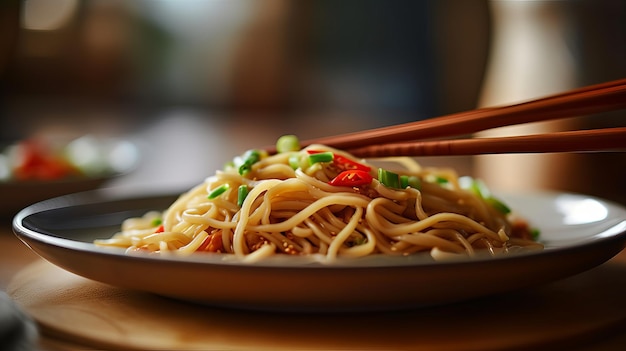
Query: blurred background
[192, 83]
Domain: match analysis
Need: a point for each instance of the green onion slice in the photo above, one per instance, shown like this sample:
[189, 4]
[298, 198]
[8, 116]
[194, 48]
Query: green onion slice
[321, 157]
[441, 180]
[249, 158]
[287, 143]
[498, 205]
[242, 193]
[410, 181]
[388, 178]
[535, 232]
[218, 191]
[294, 160]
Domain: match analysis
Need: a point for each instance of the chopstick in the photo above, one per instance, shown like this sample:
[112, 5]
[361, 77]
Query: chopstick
[591, 99]
[609, 139]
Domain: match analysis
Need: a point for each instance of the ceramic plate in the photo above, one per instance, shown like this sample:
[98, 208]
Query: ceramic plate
[579, 233]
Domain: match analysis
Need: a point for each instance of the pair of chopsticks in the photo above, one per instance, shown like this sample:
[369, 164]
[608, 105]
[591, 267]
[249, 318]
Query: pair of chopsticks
[410, 139]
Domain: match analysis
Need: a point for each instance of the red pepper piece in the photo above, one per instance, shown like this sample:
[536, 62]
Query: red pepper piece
[160, 229]
[352, 177]
[343, 163]
[212, 243]
[347, 164]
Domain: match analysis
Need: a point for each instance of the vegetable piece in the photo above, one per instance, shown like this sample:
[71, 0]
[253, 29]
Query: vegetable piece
[342, 162]
[476, 186]
[242, 193]
[535, 233]
[410, 181]
[160, 229]
[441, 180]
[287, 143]
[353, 177]
[498, 205]
[480, 189]
[388, 178]
[345, 163]
[321, 157]
[294, 160]
[359, 241]
[249, 158]
[212, 243]
[156, 222]
[218, 191]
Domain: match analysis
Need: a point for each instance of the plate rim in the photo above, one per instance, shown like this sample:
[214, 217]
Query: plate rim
[104, 195]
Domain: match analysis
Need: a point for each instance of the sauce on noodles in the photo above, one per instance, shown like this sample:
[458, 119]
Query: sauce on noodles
[322, 202]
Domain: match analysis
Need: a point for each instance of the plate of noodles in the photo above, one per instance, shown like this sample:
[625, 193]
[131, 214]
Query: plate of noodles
[317, 229]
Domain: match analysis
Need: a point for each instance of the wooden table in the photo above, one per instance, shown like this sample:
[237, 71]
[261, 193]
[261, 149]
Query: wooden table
[584, 312]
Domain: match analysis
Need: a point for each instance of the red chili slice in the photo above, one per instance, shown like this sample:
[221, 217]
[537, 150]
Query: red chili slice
[212, 243]
[343, 162]
[347, 164]
[352, 177]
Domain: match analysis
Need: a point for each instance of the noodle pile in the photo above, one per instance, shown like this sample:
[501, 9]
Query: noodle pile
[325, 203]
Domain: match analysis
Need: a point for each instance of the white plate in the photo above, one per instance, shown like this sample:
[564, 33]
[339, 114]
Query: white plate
[579, 232]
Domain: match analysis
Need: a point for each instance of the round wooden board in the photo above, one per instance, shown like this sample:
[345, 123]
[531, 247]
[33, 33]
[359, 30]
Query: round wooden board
[568, 312]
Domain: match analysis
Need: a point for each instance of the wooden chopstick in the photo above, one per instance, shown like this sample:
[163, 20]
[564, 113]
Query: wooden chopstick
[577, 102]
[609, 139]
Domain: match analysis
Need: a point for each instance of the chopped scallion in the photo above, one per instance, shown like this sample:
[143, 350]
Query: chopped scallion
[410, 181]
[249, 158]
[476, 186]
[360, 241]
[157, 222]
[218, 191]
[498, 205]
[534, 233]
[441, 180]
[294, 160]
[288, 143]
[321, 157]
[388, 178]
[479, 188]
[242, 193]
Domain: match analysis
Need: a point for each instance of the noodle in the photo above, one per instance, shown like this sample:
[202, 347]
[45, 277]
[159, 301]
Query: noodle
[322, 202]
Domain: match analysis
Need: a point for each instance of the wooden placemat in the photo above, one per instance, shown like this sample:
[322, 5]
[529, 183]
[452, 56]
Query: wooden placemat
[569, 312]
